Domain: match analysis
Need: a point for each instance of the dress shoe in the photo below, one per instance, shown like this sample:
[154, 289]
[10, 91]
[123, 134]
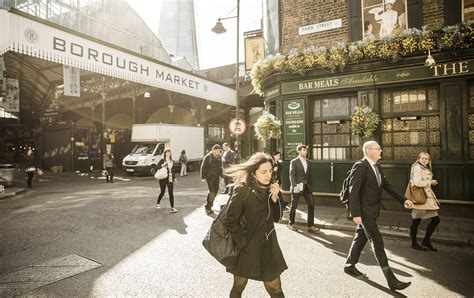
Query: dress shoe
[352, 271]
[428, 244]
[292, 227]
[418, 247]
[313, 230]
[399, 285]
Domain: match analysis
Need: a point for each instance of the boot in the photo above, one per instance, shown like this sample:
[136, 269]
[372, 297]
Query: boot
[415, 245]
[427, 243]
[393, 283]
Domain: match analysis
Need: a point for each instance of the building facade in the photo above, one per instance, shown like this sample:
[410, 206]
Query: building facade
[359, 53]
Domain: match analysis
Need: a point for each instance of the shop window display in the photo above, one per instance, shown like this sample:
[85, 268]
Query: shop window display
[332, 136]
[410, 123]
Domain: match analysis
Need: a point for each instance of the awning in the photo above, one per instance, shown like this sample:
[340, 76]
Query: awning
[31, 36]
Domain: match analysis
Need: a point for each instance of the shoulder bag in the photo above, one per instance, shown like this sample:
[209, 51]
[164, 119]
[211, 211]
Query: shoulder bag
[415, 194]
[161, 173]
[218, 241]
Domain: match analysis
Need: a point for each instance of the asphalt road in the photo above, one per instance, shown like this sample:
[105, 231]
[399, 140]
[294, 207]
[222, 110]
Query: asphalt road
[150, 252]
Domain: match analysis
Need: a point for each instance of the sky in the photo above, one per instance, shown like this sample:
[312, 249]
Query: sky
[214, 49]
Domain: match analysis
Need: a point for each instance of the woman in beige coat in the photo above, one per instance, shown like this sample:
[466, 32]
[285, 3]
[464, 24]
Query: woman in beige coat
[422, 176]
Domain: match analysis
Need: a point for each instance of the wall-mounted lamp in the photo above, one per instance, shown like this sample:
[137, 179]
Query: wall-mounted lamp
[147, 94]
[430, 61]
[208, 107]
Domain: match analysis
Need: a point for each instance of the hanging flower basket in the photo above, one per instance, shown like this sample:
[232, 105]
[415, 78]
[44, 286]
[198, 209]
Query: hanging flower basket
[267, 127]
[364, 121]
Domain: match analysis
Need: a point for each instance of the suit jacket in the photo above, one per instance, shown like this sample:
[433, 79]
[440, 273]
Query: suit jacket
[365, 194]
[297, 174]
[228, 158]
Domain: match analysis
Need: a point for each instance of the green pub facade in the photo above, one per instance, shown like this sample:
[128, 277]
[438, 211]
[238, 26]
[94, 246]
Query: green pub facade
[422, 108]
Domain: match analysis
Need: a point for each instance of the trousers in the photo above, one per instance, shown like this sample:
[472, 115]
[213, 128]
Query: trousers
[367, 231]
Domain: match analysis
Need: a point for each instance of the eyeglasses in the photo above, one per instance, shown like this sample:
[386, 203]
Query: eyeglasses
[379, 149]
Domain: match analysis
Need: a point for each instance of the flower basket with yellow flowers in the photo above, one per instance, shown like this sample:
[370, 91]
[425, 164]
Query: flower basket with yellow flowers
[364, 121]
[267, 127]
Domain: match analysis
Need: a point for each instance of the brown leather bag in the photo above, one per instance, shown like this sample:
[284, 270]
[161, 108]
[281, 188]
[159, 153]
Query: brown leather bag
[415, 194]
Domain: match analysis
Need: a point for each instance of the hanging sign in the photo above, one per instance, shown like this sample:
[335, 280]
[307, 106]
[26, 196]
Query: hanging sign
[293, 126]
[72, 81]
[237, 126]
[12, 96]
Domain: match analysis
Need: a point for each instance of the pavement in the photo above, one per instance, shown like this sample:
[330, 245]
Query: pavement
[457, 231]
[329, 215]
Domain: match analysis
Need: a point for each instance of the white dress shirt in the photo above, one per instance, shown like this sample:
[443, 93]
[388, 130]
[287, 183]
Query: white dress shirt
[376, 171]
[305, 163]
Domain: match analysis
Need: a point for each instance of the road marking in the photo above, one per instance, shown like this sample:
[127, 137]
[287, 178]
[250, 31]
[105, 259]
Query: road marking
[35, 276]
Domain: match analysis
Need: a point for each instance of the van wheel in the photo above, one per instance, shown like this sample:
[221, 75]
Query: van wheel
[190, 167]
[152, 170]
[130, 173]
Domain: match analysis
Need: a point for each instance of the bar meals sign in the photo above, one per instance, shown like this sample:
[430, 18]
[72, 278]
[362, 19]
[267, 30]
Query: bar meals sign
[417, 73]
[36, 38]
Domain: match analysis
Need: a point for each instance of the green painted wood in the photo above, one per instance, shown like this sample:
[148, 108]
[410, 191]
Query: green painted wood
[452, 94]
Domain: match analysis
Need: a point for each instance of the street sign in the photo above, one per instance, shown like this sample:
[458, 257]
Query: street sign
[237, 126]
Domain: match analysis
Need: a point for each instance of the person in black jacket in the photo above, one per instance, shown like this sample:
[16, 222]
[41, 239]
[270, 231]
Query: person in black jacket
[211, 173]
[300, 178]
[255, 198]
[365, 195]
[167, 161]
[29, 166]
[228, 158]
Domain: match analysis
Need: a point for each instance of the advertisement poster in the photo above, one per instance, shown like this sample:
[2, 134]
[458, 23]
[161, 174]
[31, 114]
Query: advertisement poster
[12, 96]
[293, 126]
[254, 51]
[383, 18]
[72, 81]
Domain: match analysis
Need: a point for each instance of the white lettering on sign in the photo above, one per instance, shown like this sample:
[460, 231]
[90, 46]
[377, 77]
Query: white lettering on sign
[324, 26]
[452, 68]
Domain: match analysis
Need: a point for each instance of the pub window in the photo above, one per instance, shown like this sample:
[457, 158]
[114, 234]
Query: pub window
[471, 122]
[332, 136]
[410, 123]
[468, 10]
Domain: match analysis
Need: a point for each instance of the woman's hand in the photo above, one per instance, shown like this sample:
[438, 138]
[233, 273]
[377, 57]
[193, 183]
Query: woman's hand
[274, 189]
[434, 182]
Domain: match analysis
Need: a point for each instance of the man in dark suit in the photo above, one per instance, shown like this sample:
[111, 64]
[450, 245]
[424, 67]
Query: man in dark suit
[228, 158]
[211, 173]
[365, 195]
[300, 177]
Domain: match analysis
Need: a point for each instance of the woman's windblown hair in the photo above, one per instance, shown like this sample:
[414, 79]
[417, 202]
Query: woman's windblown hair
[241, 173]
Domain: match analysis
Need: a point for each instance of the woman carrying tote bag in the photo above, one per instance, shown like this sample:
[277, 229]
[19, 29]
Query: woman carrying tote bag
[168, 181]
[422, 176]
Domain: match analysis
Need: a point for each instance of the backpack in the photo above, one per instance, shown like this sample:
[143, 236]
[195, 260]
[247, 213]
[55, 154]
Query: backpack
[344, 194]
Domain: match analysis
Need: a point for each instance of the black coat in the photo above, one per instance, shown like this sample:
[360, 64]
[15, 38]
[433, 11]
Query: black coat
[276, 176]
[161, 163]
[260, 256]
[365, 194]
[28, 161]
[211, 167]
[228, 158]
[297, 173]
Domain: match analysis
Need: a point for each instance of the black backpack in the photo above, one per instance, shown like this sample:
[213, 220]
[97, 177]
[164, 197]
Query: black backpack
[344, 194]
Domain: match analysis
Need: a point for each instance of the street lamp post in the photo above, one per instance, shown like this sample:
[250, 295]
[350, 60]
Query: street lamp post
[219, 28]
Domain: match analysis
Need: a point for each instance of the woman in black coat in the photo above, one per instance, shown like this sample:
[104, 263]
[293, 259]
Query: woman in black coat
[29, 166]
[256, 199]
[167, 161]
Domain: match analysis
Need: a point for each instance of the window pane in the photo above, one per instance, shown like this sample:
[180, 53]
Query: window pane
[336, 107]
[317, 109]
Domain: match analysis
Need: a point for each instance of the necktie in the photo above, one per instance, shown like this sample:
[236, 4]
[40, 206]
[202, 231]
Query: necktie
[377, 174]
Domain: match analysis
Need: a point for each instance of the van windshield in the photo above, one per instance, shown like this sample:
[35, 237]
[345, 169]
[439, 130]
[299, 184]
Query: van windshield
[143, 149]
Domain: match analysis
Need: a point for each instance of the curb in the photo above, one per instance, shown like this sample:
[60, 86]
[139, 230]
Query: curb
[387, 231]
[8, 194]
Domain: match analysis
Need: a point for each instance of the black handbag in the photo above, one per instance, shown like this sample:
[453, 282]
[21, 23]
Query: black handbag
[218, 241]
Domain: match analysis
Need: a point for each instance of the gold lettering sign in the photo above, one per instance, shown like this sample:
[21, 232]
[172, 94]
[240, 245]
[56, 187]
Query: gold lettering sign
[451, 68]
